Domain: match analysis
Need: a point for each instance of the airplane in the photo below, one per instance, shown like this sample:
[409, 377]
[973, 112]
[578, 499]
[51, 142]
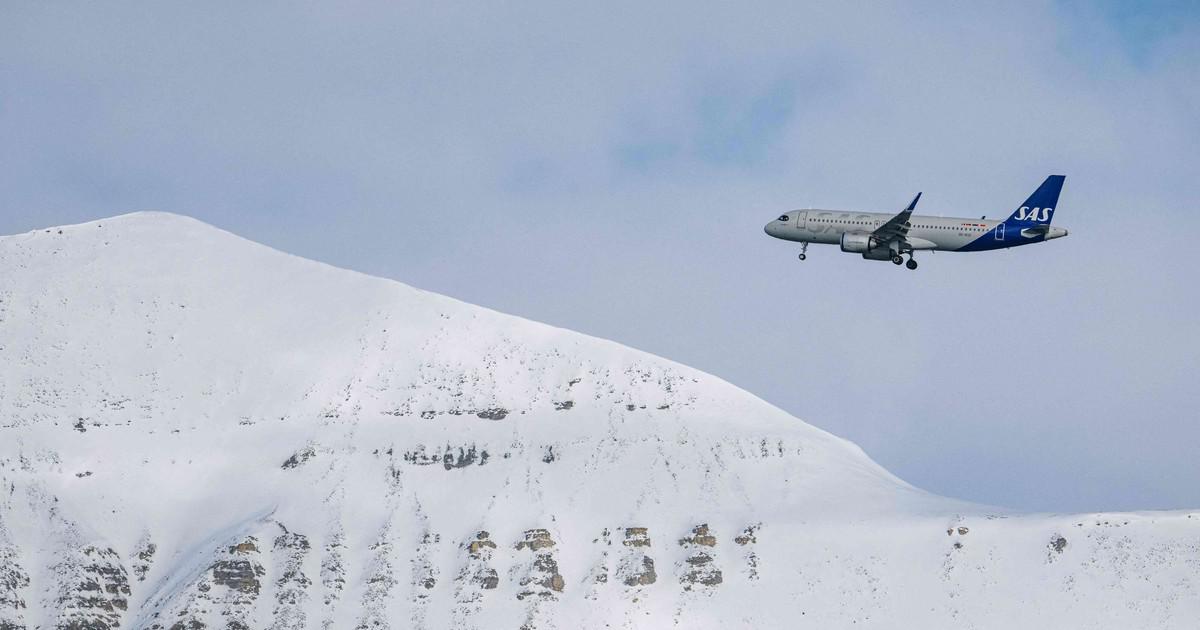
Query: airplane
[883, 236]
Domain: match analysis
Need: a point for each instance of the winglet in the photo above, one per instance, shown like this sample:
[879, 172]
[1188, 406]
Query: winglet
[913, 205]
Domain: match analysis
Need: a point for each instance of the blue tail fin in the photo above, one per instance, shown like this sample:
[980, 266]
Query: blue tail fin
[1038, 209]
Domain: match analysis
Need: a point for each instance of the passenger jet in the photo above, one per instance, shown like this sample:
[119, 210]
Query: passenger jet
[884, 236]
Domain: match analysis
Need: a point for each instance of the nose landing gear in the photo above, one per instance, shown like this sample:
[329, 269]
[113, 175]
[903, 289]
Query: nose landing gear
[803, 249]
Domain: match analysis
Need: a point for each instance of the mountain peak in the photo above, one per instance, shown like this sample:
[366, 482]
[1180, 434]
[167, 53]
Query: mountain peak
[212, 322]
[219, 433]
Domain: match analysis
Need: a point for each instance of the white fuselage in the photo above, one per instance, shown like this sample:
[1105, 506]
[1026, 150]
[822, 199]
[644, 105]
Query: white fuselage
[827, 226]
[926, 232]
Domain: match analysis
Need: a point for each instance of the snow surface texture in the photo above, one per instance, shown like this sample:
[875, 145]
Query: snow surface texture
[197, 431]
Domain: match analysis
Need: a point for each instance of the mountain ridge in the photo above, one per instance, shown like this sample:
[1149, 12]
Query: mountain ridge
[201, 431]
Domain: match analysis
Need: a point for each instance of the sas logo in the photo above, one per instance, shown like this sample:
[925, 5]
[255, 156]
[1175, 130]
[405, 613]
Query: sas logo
[1024, 213]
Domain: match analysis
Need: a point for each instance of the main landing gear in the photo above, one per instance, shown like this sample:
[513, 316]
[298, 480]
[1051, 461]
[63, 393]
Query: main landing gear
[803, 249]
[898, 259]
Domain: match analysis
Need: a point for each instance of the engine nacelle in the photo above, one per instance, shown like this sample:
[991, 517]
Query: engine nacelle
[879, 253]
[869, 246]
[859, 243]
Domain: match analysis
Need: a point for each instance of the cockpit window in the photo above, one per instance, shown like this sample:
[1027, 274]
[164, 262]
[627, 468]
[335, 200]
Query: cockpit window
[783, 217]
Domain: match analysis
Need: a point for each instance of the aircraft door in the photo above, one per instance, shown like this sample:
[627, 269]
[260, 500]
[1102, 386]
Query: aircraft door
[801, 217]
[1000, 232]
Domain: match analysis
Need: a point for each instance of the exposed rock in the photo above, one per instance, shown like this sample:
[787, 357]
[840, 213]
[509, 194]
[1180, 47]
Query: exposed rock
[747, 536]
[13, 580]
[497, 413]
[542, 578]
[480, 550]
[419, 457]
[299, 457]
[248, 546]
[1057, 544]
[536, 539]
[474, 579]
[333, 568]
[700, 536]
[229, 588]
[642, 577]
[464, 458]
[424, 577]
[564, 405]
[636, 568]
[241, 572]
[143, 558]
[97, 591]
[699, 568]
[636, 537]
[291, 585]
[490, 413]
[381, 580]
[599, 573]
[228, 591]
[424, 571]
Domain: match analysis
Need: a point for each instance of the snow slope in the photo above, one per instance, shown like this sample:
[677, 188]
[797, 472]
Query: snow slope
[198, 431]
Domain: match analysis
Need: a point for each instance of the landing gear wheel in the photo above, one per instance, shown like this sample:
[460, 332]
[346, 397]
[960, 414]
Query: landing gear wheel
[896, 259]
[803, 257]
[911, 264]
[803, 250]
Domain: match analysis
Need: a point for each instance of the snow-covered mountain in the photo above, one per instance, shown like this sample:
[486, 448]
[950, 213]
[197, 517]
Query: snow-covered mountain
[197, 431]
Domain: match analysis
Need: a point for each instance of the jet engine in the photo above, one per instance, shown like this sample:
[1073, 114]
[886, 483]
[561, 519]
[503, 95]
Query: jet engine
[869, 246]
[859, 243]
[879, 253]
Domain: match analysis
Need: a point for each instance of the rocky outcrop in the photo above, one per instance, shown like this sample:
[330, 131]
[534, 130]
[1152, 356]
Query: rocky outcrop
[299, 457]
[143, 558]
[542, 578]
[747, 540]
[227, 590]
[381, 579]
[425, 575]
[477, 571]
[93, 589]
[699, 569]
[598, 576]
[13, 582]
[1058, 543]
[636, 568]
[449, 457]
[476, 577]
[291, 584]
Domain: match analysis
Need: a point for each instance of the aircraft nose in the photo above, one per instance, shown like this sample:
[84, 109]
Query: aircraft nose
[772, 228]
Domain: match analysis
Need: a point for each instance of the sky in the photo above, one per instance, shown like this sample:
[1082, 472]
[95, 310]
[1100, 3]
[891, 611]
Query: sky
[608, 167]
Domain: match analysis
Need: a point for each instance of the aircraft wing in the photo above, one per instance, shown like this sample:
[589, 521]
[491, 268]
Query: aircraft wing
[896, 227]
